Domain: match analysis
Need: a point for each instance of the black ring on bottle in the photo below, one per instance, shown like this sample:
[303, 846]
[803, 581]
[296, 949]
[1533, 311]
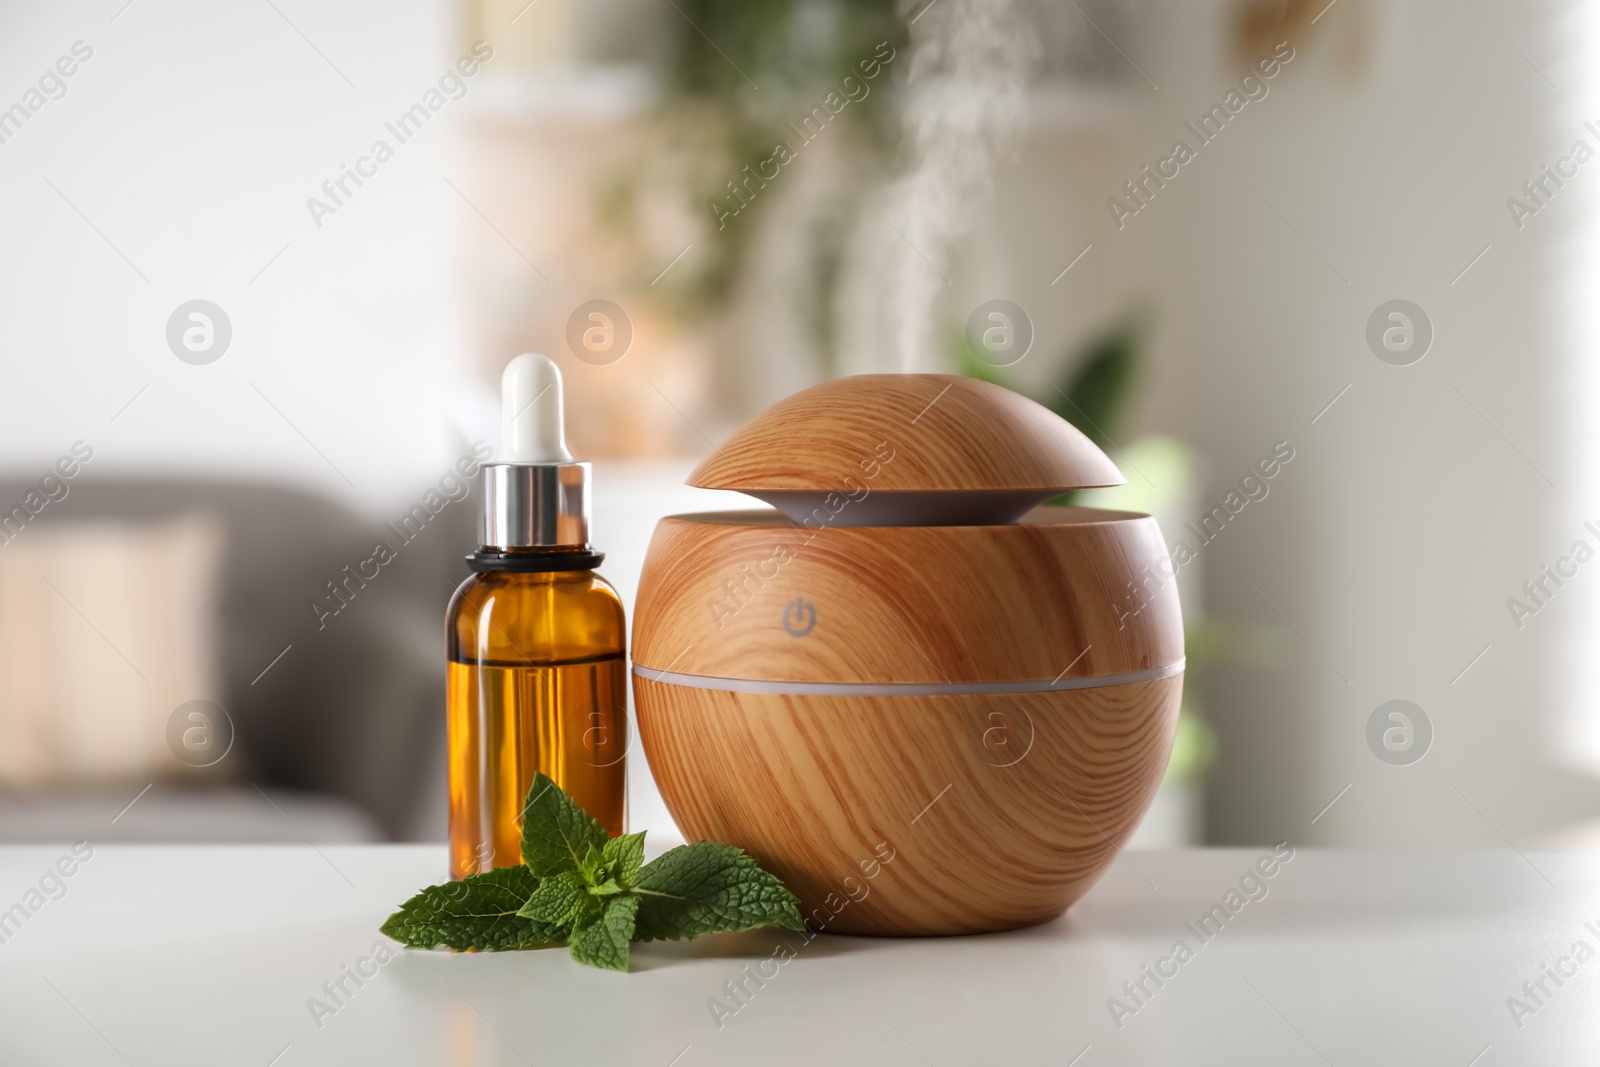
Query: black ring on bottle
[535, 562]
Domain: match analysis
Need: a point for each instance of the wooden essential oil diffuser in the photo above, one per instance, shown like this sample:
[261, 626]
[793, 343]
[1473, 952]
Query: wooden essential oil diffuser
[928, 704]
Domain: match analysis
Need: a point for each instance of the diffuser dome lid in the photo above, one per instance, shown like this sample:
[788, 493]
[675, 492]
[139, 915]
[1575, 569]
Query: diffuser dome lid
[906, 433]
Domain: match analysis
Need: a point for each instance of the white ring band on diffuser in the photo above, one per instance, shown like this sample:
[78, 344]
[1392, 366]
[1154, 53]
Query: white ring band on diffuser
[904, 689]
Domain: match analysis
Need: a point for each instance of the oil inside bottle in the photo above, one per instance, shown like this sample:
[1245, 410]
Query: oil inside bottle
[507, 723]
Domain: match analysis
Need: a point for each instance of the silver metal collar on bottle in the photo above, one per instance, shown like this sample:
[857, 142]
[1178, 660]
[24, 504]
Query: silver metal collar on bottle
[534, 505]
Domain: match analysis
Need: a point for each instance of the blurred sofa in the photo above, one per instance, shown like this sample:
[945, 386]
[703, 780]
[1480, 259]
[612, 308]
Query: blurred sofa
[342, 739]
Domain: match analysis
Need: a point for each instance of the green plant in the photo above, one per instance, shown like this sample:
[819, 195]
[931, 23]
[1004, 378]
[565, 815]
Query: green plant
[724, 49]
[594, 893]
[713, 128]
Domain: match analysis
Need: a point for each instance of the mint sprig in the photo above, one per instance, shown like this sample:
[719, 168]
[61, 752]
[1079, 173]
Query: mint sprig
[556, 833]
[706, 888]
[594, 893]
[603, 941]
[478, 912]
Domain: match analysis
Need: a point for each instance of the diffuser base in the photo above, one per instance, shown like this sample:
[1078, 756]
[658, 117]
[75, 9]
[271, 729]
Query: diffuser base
[915, 815]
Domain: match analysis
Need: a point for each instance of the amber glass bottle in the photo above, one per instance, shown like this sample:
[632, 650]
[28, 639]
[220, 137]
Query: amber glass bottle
[534, 639]
[537, 682]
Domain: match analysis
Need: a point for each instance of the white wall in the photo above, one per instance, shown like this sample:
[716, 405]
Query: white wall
[191, 141]
[1392, 541]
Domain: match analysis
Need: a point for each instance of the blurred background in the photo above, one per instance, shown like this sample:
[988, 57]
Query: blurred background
[699, 206]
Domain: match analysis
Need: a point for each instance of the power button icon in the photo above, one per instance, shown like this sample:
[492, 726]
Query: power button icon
[799, 617]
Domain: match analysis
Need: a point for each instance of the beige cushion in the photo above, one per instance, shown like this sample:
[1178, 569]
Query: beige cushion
[105, 629]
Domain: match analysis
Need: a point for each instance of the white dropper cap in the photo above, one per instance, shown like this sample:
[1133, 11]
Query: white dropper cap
[531, 419]
[535, 495]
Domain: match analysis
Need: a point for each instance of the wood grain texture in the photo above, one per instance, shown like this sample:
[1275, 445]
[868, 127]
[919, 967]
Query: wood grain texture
[1000, 811]
[1044, 598]
[904, 432]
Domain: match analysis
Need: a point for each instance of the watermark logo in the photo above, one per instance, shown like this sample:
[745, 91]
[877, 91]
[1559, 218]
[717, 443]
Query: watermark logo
[1154, 575]
[1252, 887]
[1005, 733]
[606, 739]
[1399, 332]
[337, 192]
[51, 886]
[199, 332]
[1537, 992]
[1139, 191]
[50, 86]
[51, 488]
[454, 485]
[739, 993]
[337, 992]
[999, 332]
[1540, 190]
[599, 332]
[747, 186]
[1538, 591]
[799, 617]
[1399, 732]
[738, 593]
[200, 733]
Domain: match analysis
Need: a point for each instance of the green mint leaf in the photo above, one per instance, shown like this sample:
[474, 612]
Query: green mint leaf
[593, 861]
[562, 900]
[556, 834]
[603, 942]
[705, 888]
[478, 912]
[624, 856]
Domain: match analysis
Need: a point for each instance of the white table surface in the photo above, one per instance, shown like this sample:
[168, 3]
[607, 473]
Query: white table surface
[208, 955]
